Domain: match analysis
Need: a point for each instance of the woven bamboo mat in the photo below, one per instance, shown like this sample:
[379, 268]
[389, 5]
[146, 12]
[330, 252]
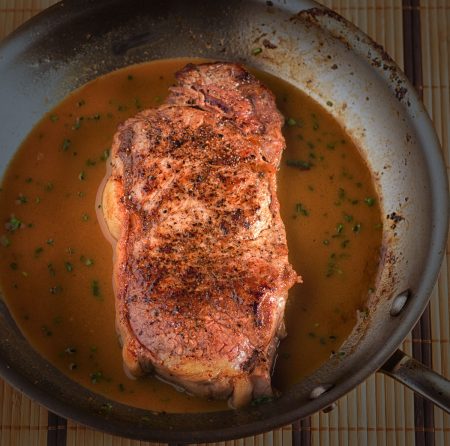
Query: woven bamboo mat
[379, 411]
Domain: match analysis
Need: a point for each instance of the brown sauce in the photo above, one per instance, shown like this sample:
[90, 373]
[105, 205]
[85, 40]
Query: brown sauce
[56, 265]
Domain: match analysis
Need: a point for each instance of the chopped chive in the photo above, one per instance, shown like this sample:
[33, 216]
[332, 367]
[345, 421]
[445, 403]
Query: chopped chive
[370, 201]
[95, 288]
[14, 266]
[256, 51]
[339, 228]
[96, 377]
[55, 289]
[70, 350]
[69, 267]
[51, 269]
[22, 199]
[38, 251]
[326, 242]
[82, 176]
[345, 243]
[49, 186]
[90, 162]
[291, 122]
[357, 227]
[329, 103]
[348, 218]
[28, 180]
[37, 200]
[50, 242]
[81, 103]
[73, 366]
[105, 155]
[299, 164]
[301, 210]
[77, 123]
[5, 241]
[54, 118]
[331, 145]
[46, 330]
[85, 217]
[13, 224]
[66, 144]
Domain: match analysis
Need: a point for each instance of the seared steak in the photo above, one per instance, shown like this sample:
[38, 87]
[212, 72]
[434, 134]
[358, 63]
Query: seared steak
[201, 269]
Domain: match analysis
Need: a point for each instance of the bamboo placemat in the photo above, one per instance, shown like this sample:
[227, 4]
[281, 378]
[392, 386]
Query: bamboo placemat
[379, 411]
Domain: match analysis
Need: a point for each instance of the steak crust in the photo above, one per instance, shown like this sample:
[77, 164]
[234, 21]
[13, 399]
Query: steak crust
[201, 271]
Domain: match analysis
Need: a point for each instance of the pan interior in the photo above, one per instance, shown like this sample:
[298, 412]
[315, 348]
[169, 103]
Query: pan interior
[319, 53]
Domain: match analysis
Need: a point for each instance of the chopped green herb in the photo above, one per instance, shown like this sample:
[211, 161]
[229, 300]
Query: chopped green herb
[348, 218]
[81, 103]
[357, 227]
[5, 241]
[50, 242]
[87, 261]
[369, 201]
[54, 118]
[22, 199]
[38, 251]
[81, 194]
[137, 103]
[256, 51]
[329, 103]
[85, 217]
[311, 145]
[331, 145]
[345, 243]
[70, 250]
[24, 274]
[77, 123]
[105, 155]
[90, 163]
[73, 366]
[96, 117]
[93, 348]
[262, 400]
[121, 387]
[13, 224]
[37, 200]
[46, 330]
[55, 289]
[96, 377]
[49, 186]
[130, 77]
[66, 144]
[69, 267]
[70, 350]
[339, 228]
[82, 176]
[291, 122]
[341, 355]
[299, 164]
[95, 288]
[301, 210]
[13, 266]
[51, 269]
[326, 242]
[332, 337]
[28, 180]
[122, 108]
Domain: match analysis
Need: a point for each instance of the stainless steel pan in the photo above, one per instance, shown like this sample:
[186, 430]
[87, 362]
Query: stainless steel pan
[320, 53]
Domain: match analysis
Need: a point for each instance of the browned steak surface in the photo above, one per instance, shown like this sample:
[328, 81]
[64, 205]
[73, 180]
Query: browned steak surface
[201, 269]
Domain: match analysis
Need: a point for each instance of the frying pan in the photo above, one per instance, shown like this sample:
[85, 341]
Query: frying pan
[320, 53]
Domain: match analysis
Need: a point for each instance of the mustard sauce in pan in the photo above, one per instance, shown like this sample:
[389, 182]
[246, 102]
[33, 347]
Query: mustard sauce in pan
[56, 265]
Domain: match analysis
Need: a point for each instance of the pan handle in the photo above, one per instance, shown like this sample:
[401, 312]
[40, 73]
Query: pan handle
[419, 378]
